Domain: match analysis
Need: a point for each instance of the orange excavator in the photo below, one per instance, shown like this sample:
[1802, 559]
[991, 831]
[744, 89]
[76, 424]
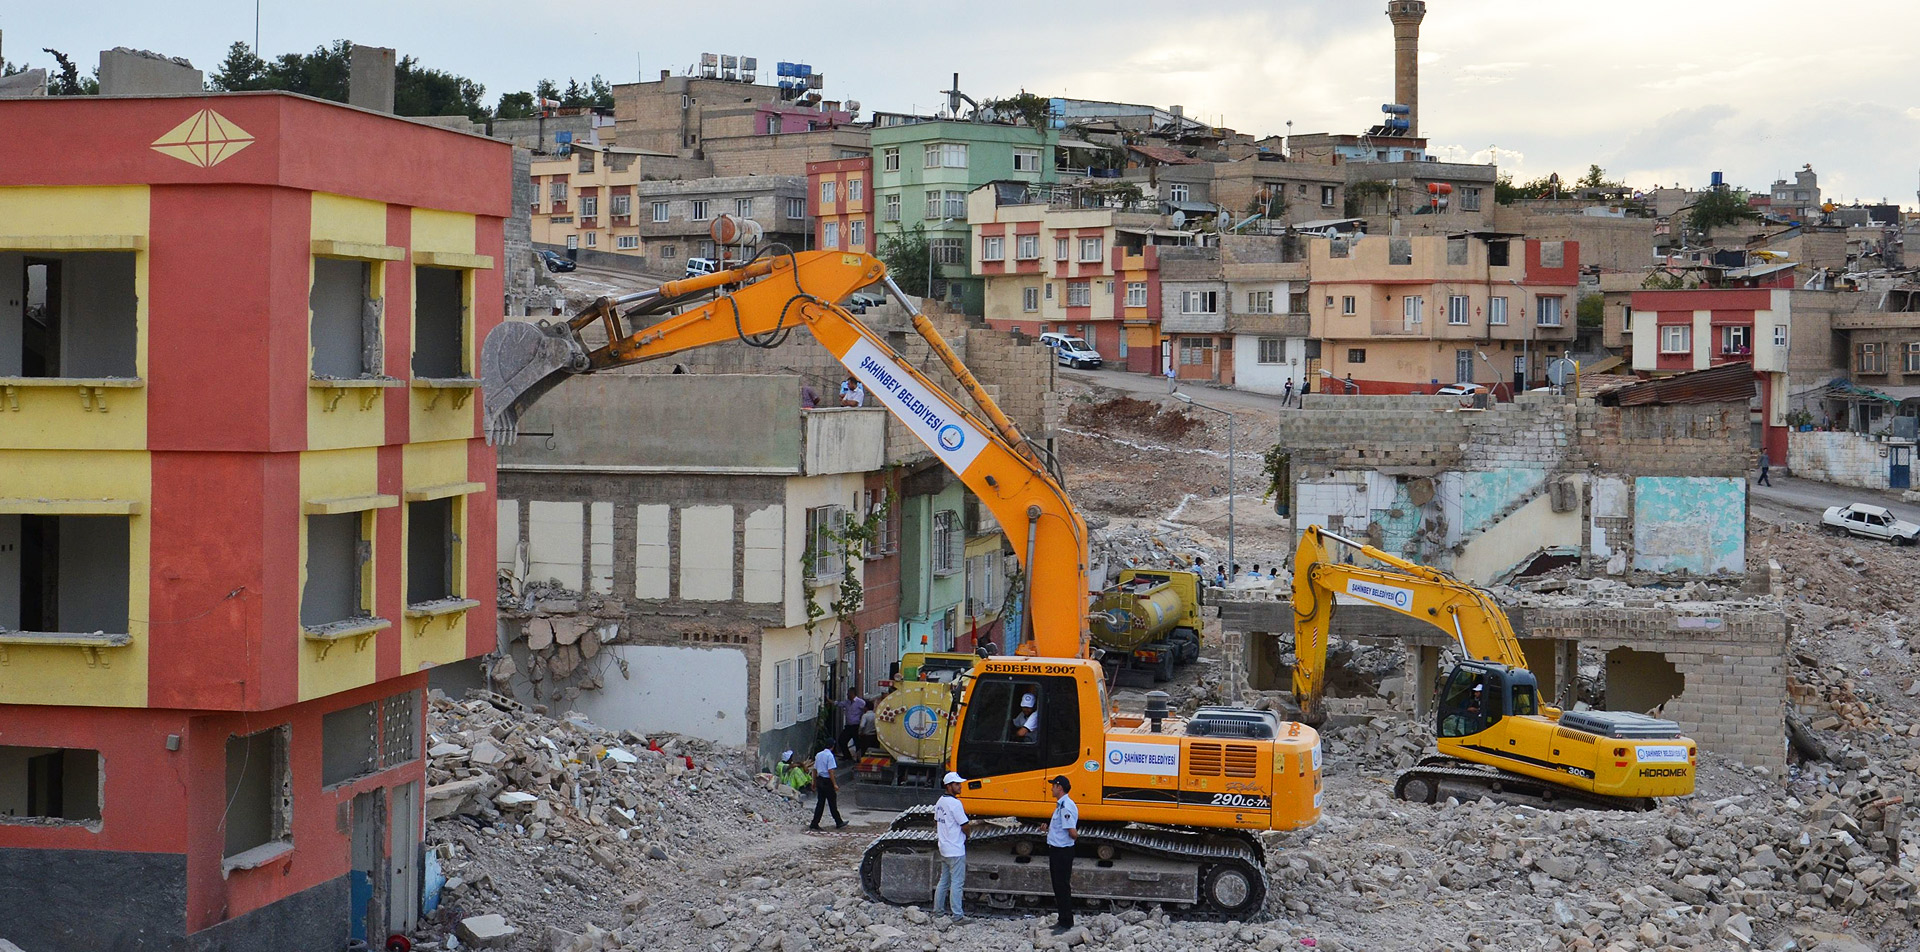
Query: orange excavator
[1169, 806]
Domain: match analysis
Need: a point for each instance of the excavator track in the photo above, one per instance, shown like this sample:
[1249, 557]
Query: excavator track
[1191, 875]
[1436, 778]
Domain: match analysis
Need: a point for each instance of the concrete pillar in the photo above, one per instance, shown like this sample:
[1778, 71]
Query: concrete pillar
[1406, 16]
[370, 78]
[125, 72]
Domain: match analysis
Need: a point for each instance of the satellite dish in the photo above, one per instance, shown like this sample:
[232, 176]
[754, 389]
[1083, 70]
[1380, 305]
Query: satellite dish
[1225, 220]
[1179, 219]
[1561, 371]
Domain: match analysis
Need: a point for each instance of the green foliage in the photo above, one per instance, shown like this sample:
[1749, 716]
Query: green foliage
[545, 89]
[1719, 207]
[1366, 198]
[514, 106]
[241, 71]
[1596, 177]
[1664, 281]
[1592, 310]
[323, 73]
[1277, 465]
[853, 541]
[1269, 203]
[907, 254]
[1029, 108]
[67, 80]
[1504, 191]
[418, 91]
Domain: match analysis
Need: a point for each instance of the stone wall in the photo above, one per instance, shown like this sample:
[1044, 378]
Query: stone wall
[1481, 491]
[1847, 459]
[520, 267]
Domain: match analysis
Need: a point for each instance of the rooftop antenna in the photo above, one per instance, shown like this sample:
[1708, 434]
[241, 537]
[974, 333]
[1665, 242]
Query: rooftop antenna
[256, 27]
[955, 97]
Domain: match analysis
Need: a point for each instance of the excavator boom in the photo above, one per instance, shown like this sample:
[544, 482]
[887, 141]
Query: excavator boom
[766, 300]
[1496, 736]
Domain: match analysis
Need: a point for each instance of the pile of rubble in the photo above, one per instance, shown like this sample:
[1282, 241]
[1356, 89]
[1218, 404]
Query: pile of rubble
[546, 822]
[562, 632]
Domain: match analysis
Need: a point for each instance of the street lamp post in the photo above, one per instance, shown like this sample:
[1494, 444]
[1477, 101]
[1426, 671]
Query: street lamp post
[1233, 567]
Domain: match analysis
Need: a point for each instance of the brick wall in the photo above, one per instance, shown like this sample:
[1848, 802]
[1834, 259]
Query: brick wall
[1847, 459]
[520, 268]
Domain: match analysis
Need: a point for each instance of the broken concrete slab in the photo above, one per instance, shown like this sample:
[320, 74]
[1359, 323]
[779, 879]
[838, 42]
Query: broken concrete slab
[490, 931]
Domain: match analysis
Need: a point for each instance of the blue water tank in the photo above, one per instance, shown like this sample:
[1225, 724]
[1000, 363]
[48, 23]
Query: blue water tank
[1397, 125]
[1718, 180]
[1396, 109]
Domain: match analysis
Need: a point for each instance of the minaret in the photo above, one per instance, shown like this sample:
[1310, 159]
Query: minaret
[1406, 16]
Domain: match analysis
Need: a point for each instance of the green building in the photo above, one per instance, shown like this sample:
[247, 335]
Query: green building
[922, 172]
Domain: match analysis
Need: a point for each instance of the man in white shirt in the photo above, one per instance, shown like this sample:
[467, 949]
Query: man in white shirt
[852, 394]
[950, 820]
[1027, 721]
[826, 793]
[1062, 830]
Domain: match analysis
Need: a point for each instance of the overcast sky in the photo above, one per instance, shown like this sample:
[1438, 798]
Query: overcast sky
[1655, 91]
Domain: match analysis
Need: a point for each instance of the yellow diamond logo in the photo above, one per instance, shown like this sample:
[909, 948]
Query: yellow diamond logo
[206, 139]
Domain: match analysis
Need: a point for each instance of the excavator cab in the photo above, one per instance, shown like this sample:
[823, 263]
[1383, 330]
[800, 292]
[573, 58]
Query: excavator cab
[1478, 694]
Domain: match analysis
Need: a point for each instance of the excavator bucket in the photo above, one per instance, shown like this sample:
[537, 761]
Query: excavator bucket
[519, 363]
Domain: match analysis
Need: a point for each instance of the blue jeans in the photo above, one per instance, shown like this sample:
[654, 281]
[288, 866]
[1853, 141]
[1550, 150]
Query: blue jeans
[953, 878]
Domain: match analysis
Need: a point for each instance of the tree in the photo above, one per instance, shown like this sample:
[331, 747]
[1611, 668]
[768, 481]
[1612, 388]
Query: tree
[418, 91]
[908, 256]
[1719, 207]
[575, 96]
[514, 106]
[67, 81]
[241, 71]
[1029, 108]
[321, 74]
[545, 89]
[600, 92]
[1592, 310]
[1596, 177]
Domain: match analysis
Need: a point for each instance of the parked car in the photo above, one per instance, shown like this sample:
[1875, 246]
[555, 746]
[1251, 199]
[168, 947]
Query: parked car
[1874, 522]
[699, 266]
[1071, 351]
[1461, 390]
[556, 261]
[859, 301]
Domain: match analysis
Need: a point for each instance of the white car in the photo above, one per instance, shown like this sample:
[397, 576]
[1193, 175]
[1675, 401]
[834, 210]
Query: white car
[1071, 351]
[1873, 522]
[1461, 390]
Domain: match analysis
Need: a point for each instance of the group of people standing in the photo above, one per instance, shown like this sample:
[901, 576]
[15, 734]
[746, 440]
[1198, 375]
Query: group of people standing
[952, 827]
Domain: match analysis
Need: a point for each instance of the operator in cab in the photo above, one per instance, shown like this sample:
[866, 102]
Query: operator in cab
[1026, 723]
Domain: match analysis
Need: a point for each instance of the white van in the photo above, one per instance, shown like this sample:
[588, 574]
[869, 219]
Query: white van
[1071, 351]
[699, 266]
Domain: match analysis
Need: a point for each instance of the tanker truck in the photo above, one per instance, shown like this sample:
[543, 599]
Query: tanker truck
[912, 725]
[1149, 619]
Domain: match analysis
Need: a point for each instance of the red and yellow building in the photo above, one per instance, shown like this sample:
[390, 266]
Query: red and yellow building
[840, 202]
[244, 487]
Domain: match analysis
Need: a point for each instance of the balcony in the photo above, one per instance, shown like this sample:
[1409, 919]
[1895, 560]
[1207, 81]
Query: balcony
[1270, 325]
[1182, 323]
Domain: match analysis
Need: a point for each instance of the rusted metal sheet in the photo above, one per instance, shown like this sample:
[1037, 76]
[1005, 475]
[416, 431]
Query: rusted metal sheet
[1722, 384]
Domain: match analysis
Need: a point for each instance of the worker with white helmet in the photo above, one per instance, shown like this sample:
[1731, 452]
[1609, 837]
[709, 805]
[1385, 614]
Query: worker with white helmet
[950, 822]
[1027, 722]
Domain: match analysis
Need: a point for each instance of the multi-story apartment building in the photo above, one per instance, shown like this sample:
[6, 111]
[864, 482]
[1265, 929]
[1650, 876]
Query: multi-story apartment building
[678, 115]
[1236, 313]
[1676, 331]
[840, 202]
[243, 486]
[675, 219]
[1049, 264]
[1406, 314]
[923, 172]
[1798, 199]
[723, 556]
[584, 195]
[1280, 192]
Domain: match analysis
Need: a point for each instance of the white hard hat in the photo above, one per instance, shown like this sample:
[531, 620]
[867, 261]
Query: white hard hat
[786, 755]
[953, 778]
[1026, 700]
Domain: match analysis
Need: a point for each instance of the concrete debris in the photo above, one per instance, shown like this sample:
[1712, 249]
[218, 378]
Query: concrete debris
[490, 931]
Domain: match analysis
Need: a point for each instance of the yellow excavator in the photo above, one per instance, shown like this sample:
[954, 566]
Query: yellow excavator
[1496, 737]
[1170, 807]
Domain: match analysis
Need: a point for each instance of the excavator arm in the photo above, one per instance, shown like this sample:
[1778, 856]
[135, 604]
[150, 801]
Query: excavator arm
[1413, 590]
[759, 304]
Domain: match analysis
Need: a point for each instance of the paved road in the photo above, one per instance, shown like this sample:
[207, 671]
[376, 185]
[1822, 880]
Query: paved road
[1790, 499]
[1156, 388]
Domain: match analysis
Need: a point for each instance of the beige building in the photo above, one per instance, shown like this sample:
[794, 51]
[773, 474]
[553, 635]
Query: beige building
[1407, 314]
[740, 128]
[585, 198]
[1290, 192]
